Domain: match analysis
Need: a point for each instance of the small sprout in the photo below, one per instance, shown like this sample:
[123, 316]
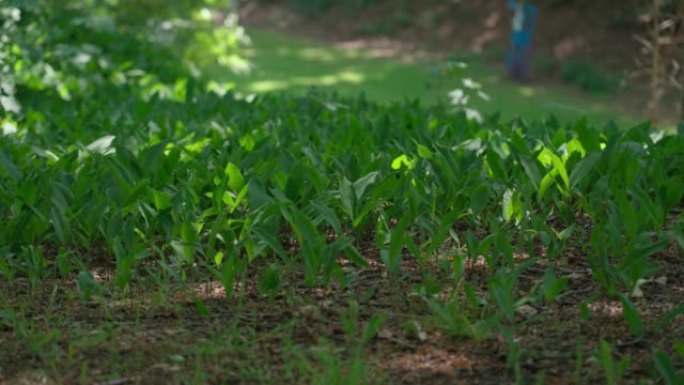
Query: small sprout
[412, 329]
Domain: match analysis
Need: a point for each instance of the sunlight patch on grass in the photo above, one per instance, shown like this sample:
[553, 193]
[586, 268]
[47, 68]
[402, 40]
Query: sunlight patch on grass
[317, 54]
[527, 91]
[292, 65]
[268, 85]
[348, 77]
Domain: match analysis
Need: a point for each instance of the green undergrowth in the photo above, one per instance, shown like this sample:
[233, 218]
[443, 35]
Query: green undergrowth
[226, 181]
[202, 184]
[120, 183]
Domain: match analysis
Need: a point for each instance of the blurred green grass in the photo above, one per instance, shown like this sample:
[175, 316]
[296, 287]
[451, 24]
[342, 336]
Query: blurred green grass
[293, 65]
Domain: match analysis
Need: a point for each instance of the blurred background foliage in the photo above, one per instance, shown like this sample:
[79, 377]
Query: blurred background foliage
[631, 48]
[70, 49]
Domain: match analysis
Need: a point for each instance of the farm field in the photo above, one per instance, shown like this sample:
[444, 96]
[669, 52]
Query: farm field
[156, 228]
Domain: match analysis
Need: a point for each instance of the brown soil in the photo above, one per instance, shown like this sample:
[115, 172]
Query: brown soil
[129, 340]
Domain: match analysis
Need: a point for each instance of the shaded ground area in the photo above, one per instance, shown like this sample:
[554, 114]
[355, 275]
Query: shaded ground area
[367, 328]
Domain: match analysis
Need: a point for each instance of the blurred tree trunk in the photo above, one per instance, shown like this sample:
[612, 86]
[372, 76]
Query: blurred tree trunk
[664, 42]
[656, 64]
[680, 49]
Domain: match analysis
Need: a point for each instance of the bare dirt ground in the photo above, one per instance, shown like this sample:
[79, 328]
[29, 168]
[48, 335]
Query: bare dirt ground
[155, 337]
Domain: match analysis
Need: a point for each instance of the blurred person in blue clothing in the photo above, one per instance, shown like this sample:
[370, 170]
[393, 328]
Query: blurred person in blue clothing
[519, 60]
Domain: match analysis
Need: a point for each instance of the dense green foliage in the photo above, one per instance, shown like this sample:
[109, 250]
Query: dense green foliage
[72, 49]
[205, 175]
[128, 160]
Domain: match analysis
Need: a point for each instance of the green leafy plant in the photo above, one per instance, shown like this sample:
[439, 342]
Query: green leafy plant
[613, 370]
[666, 365]
[126, 160]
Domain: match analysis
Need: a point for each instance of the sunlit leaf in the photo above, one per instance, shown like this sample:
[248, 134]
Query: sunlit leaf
[424, 152]
[363, 183]
[218, 258]
[102, 145]
[403, 160]
[235, 179]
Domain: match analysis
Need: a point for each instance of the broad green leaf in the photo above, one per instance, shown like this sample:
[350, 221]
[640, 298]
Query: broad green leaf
[653, 214]
[229, 272]
[674, 191]
[670, 316]
[495, 164]
[532, 170]
[86, 284]
[583, 168]
[353, 254]
[424, 152]
[372, 328]
[200, 306]
[247, 142]
[566, 233]
[270, 279]
[608, 362]
[511, 205]
[6, 269]
[362, 184]
[102, 145]
[59, 223]
[394, 253]
[305, 229]
[136, 193]
[269, 238]
[575, 146]
[241, 196]
[548, 158]
[632, 316]
[588, 137]
[153, 156]
[218, 258]
[328, 214]
[479, 197]
[403, 161]
[665, 367]
[444, 229]
[235, 179]
[628, 214]
[679, 348]
[10, 167]
[348, 197]
[162, 200]
[552, 285]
